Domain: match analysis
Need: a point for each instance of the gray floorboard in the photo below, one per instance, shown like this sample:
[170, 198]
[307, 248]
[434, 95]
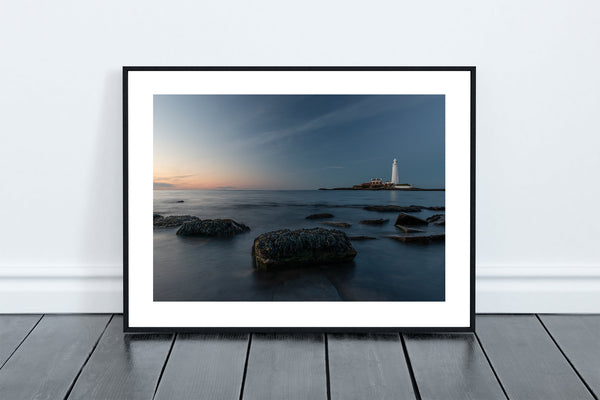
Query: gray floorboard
[123, 366]
[205, 367]
[578, 336]
[368, 366]
[86, 357]
[13, 329]
[47, 363]
[526, 360]
[451, 366]
[286, 366]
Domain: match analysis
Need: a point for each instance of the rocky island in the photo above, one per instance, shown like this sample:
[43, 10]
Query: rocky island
[379, 184]
[385, 186]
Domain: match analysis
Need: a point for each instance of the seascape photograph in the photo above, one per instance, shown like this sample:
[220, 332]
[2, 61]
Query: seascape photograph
[299, 198]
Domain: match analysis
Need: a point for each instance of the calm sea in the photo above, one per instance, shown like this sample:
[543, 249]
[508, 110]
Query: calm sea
[208, 269]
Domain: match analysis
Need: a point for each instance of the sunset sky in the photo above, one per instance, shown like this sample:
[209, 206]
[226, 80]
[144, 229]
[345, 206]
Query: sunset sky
[296, 141]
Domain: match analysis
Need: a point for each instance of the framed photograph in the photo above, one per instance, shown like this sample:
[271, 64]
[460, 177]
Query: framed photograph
[299, 198]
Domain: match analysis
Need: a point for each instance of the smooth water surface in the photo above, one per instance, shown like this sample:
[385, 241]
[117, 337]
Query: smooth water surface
[216, 269]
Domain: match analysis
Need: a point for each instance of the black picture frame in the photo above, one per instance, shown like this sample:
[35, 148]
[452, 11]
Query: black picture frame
[127, 328]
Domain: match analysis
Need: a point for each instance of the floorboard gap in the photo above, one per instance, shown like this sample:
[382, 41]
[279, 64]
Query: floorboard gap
[567, 358]
[410, 369]
[491, 366]
[327, 375]
[246, 366]
[87, 359]
[21, 342]
[162, 371]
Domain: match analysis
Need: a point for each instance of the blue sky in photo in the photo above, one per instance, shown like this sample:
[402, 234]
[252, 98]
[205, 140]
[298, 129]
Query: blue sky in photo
[296, 141]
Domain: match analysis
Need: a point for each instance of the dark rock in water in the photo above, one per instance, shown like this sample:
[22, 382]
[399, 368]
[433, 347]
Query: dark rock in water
[286, 248]
[362, 237]
[435, 208]
[338, 224]
[439, 208]
[438, 219]
[179, 201]
[393, 208]
[406, 229]
[380, 221]
[419, 239]
[409, 220]
[172, 220]
[320, 216]
[212, 228]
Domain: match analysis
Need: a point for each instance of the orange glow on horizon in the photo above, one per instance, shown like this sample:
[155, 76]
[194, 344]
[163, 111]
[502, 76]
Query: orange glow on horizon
[200, 182]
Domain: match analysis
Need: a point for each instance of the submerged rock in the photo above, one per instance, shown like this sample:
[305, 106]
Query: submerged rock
[393, 208]
[438, 219]
[362, 237]
[300, 247]
[409, 220]
[380, 221]
[320, 216]
[419, 239]
[212, 228]
[338, 224]
[406, 229]
[172, 220]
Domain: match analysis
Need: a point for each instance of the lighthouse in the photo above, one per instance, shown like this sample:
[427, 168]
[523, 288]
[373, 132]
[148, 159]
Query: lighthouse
[395, 180]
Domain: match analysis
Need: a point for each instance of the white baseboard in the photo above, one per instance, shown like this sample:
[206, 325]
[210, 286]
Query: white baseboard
[49, 289]
[540, 289]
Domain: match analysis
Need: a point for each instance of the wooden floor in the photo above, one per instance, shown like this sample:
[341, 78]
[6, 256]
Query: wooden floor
[510, 356]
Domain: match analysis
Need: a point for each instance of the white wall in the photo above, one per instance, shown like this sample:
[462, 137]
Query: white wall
[538, 127]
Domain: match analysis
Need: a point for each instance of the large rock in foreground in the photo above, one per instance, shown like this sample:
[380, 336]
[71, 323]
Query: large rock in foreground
[172, 220]
[286, 248]
[409, 220]
[212, 228]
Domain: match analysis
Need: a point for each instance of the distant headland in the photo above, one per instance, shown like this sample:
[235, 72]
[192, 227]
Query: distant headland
[379, 184]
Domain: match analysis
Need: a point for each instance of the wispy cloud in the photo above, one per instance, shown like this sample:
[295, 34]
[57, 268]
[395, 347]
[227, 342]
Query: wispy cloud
[359, 110]
[175, 177]
[172, 181]
[163, 185]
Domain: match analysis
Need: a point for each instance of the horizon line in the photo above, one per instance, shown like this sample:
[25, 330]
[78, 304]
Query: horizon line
[241, 190]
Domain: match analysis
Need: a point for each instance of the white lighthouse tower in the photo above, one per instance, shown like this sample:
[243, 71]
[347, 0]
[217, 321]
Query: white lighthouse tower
[395, 180]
